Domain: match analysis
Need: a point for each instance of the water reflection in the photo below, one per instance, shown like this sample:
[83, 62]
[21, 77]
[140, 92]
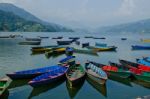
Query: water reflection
[41, 89]
[54, 55]
[18, 83]
[37, 53]
[72, 91]
[142, 83]
[5, 95]
[125, 81]
[100, 88]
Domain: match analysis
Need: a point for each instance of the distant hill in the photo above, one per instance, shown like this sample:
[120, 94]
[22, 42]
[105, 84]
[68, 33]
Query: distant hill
[26, 19]
[139, 26]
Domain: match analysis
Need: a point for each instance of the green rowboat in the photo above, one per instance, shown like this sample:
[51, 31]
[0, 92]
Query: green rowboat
[75, 74]
[4, 83]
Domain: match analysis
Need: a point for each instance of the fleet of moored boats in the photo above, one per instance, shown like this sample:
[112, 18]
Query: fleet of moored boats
[75, 72]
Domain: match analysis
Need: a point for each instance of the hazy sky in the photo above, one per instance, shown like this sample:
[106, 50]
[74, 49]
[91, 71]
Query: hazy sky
[89, 13]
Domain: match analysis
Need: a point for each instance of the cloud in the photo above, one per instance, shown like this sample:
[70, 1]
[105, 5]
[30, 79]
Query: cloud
[127, 8]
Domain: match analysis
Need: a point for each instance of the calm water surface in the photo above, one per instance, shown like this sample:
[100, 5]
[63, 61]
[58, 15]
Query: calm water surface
[14, 57]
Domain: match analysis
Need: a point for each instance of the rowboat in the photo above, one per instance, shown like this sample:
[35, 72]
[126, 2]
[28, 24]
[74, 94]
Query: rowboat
[81, 51]
[33, 39]
[67, 59]
[113, 70]
[129, 64]
[49, 77]
[32, 73]
[60, 37]
[143, 76]
[99, 49]
[143, 61]
[69, 51]
[147, 59]
[30, 43]
[74, 38]
[4, 83]
[64, 42]
[85, 44]
[55, 50]
[88, 37]
[41, 47]
[75, 74]
[100, 44]
[145, 40]
[99, 38]
[59, 50]
[41, 50]
[123, 38]
[95, 73]
[43, 37]
[140, 47]
[138, 72]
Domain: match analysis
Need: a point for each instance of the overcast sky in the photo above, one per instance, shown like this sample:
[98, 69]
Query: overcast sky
[89, 13]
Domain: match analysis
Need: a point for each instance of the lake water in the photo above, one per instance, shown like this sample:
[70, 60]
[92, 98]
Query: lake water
[14, 57]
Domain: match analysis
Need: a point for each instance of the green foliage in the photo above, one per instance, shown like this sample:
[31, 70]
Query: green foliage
[11, 22]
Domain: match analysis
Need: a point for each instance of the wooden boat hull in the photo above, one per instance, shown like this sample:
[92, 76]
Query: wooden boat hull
[113, 48]
[64, 42]
[76, 82]
[106, 49]
[119, 74]
[48, 78]
[4, 83]
[47, 81]
[145, 40]
[142, 78]
[79, 73]
[31, 73]
[42, 50]
[138, 47]
[96, 79]
[23, 76]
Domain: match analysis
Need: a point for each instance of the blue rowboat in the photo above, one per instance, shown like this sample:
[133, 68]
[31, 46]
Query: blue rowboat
[143, 61]
[69, 51]
[147, 59]
[95, 73]
[49, 77]
[67, 59]
[100, 44]
[32, 73]
[140, 47]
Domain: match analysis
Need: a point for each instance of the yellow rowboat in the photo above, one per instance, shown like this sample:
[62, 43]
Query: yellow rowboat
[145, 40]
[60, 50]
[54, 52]
[41, 50]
